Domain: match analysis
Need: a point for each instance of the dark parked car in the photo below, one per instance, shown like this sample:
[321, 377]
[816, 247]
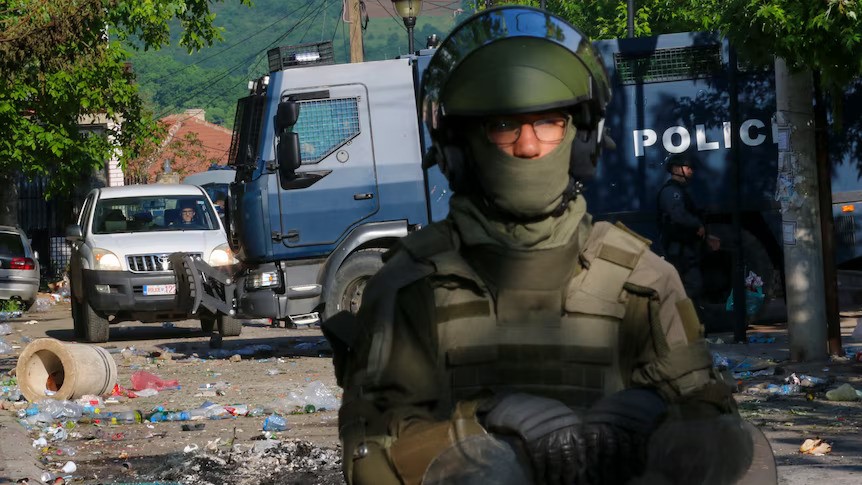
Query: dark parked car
[19, 267]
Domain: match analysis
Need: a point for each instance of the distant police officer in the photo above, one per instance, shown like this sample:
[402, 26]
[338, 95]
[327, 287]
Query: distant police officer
[683, 234]
[516, 341]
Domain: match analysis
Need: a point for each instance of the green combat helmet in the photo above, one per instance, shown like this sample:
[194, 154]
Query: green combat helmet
[510, 60]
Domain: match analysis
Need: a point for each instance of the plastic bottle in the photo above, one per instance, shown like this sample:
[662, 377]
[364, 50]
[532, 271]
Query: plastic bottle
[197, 413]
[217, 412]
[274, 422]
[126, 417]
[179, 416]
[256, 411]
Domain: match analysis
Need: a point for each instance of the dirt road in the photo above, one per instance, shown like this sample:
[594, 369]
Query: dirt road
[259, 369]
[265, 365]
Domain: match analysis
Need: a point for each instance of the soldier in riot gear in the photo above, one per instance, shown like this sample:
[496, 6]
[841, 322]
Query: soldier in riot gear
[683, 234]
[517, 341]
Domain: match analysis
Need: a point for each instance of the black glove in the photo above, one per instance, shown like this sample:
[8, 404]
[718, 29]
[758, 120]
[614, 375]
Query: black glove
[551, 432]
[616, 431]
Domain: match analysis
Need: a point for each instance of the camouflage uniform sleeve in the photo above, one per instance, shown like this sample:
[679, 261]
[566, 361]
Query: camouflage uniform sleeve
[672, 202]
[701, 416]
[674, 357]
[401, 395]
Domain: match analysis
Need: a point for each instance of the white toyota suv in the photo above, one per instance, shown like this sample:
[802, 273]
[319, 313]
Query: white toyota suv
[120, 269]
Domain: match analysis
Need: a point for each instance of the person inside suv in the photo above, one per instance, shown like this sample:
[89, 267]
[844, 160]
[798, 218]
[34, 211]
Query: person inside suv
[187, 216]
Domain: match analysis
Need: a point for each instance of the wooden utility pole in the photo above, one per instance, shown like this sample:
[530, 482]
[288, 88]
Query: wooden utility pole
[355, 31]
[800, 212]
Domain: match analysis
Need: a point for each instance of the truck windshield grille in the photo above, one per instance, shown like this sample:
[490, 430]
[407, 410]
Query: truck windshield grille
[246, 134]
[148, 263]
[673, 64]
[324, 125]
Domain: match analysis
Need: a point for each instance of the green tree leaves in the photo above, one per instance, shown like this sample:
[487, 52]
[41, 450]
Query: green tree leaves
[68, 98]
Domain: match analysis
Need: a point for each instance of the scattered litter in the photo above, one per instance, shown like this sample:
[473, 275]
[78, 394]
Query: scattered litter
[5, 348]
[167, 325]
[31, 322]
[146, 380]
[803, 380]
[147, 392]
[747, 374]
[5, 329]
[70, 467]
[816, 447]
[314, 397]
[247, 351]
[760, 339]
[844, 392]
[784, 390]
[190, 448]
[275, 422]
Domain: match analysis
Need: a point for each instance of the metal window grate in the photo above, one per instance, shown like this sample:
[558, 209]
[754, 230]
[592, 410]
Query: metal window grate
[672, 64]
[845, 229]
[144, 263]
[324, 125]
[246, 131]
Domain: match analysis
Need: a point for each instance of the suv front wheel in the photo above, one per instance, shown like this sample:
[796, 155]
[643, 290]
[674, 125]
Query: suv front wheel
[229, 326]
[91, 327]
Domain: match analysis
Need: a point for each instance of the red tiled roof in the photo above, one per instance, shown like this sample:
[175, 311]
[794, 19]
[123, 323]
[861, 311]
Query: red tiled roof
[211, 145]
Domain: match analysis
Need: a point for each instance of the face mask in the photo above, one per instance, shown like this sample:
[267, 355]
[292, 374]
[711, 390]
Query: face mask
[522, 187]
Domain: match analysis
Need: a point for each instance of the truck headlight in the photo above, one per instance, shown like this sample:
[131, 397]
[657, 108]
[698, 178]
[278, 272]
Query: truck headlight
[265, 279]
[221, 256]
[106, 260]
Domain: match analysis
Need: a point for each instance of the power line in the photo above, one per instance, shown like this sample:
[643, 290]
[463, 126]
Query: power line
[242, 63]
[226, 48]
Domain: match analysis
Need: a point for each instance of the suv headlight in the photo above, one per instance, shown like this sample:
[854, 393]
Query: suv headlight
[221, 256]
[106, 260]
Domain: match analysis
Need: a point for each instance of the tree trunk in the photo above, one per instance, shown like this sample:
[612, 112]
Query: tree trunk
[8, 199]
[798, 191]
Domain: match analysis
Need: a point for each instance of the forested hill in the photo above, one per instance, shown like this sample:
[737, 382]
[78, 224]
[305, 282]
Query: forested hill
[173, 80]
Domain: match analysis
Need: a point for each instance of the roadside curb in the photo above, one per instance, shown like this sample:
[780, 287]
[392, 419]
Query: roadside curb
[17, 458]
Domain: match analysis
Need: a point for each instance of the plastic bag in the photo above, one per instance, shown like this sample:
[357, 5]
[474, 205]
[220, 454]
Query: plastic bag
[145, 380]
[753, 301]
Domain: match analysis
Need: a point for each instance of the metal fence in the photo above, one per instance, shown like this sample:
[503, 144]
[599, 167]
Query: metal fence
[44, 221]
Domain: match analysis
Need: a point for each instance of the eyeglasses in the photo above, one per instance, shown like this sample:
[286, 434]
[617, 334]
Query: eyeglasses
[506, 131]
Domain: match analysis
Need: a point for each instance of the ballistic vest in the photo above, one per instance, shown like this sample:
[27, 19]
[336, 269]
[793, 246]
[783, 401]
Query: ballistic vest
[544, 322]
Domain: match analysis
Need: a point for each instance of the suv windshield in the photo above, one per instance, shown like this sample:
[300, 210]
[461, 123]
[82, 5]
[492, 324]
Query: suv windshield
[153, 213]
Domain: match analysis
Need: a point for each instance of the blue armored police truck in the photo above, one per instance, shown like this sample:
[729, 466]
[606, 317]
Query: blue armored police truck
[328, 162]
[672, 96]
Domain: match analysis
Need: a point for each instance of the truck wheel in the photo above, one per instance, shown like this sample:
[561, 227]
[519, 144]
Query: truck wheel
[229, 326]
[348, 286]
[95, 327]
[208, 324]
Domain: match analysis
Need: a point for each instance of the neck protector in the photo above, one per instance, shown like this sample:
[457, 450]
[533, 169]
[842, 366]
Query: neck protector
[525, 189]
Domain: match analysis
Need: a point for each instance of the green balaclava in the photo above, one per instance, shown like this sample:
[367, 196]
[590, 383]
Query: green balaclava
[524, 188]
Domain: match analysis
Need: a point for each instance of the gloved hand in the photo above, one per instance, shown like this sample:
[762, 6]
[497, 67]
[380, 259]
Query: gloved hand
[551, 432]
[616, 431]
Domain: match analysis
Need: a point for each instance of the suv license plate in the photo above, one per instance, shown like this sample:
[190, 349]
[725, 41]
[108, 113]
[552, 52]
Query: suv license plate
[160, 290]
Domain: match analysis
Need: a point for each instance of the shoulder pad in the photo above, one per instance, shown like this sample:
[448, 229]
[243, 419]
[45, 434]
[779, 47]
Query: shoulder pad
[614, 244]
